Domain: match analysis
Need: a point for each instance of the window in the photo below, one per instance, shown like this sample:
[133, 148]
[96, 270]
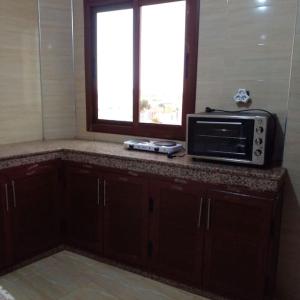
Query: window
[141, 65]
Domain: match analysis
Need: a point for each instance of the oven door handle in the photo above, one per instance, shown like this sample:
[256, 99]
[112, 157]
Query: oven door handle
[222, 123]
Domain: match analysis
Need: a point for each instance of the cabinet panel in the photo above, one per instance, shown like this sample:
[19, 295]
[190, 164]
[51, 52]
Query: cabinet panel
[236, 243]
[3, 217]
[177, 231]
[214, 240]
[84, 209]
[126, 209]
[34, 199]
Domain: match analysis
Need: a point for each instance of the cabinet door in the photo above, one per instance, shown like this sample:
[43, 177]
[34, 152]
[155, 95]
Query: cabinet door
[84, 209]
[177, 230]
[236, 243]
[4, 208]
[34, 201]
[126, 209]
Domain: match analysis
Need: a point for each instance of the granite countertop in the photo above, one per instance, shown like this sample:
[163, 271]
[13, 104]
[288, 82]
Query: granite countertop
[114, 155]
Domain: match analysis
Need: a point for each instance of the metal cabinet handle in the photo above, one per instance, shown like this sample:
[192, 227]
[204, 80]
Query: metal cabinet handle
[124, 179]
[6, 197]
[98, 191]
[131, 173]
[200, 212]
[82, 171]
[87, 166]
[181, 181]
[208, 214]
[177, 187]
[14, 193]
[104, 193]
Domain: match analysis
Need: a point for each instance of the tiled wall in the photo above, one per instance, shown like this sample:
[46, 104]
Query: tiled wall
[245, 44]
[36, 73]
[57, 68]
[20, 97]
[79, 71]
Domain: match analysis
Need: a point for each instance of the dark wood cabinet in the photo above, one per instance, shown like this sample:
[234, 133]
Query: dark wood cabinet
[237, 236]
[126, 218]
[197, 234]
[107, 213]
[3, 221]
[177, 231]
[33, 208]
[84, 208]
[214, 240]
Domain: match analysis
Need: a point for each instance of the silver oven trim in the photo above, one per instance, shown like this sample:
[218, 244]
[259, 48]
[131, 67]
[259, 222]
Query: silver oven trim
[227, 116]
[259, 120]
[214, 122]
[241, 161]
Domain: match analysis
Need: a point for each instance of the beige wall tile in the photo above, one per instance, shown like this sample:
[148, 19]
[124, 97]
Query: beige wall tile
[298, 21]
[20, 97]
[19, 16]
[57, 71]
[56, 42]
[81, 131]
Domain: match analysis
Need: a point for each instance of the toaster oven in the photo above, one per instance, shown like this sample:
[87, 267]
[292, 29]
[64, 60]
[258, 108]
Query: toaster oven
[243, 137]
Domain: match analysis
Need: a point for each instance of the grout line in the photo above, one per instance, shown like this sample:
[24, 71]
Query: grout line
[73, 68]
[290, 79]
[40, 64]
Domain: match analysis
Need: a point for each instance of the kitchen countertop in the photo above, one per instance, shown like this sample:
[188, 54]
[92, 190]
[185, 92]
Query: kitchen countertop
[115, 156]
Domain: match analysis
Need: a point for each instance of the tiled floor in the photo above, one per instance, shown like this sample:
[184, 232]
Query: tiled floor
[68, 276]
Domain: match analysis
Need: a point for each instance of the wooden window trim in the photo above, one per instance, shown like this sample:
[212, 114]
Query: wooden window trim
[189, 87]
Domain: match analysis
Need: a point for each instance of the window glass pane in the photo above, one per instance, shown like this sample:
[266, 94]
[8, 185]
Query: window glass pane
[115, 65]
[162, 63]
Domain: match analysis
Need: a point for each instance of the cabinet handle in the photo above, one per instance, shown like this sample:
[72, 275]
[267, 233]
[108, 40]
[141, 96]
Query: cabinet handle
[32, 167]
[98, 191]
[124, 179]
[30, 173]
[82, 171]
[181, 181]
[87, 166]
[133, 173]
[6, 197]
[208, 214]
[104, 193]
[14, 193]
[200, 212]
[177, 187]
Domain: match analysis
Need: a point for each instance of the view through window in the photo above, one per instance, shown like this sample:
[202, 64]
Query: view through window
[162, 63]
[115, 65]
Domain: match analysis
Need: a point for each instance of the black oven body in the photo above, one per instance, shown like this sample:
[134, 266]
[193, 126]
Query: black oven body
[237, 138]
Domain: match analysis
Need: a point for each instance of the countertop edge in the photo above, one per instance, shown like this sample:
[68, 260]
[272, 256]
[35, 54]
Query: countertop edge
[201, 173]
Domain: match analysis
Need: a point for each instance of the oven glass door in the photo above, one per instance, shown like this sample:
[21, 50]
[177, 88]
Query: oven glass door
[221, 137]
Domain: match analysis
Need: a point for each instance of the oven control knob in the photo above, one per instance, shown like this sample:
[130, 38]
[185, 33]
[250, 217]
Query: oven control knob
[260, 129]
[258, 141]
[258, 152]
